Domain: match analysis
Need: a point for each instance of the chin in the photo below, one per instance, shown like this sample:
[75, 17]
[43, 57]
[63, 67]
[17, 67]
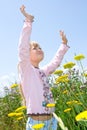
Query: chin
[40, 59]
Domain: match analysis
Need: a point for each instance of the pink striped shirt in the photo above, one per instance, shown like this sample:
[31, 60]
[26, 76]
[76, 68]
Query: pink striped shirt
[33, 80]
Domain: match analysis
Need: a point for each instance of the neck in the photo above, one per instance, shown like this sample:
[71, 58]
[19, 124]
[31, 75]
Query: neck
[36, 65]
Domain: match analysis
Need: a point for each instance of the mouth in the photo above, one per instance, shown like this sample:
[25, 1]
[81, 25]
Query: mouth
[40, 52]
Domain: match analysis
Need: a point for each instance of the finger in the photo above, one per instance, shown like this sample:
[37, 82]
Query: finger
[61, 33]
[22, 7]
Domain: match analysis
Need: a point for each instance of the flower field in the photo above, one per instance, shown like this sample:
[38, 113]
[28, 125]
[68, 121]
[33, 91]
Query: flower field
[69, 88]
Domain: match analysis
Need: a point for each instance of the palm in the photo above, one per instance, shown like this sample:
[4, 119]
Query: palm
[63, 36]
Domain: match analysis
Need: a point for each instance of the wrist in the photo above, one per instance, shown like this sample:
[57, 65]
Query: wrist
[29, 17]
[64, 43]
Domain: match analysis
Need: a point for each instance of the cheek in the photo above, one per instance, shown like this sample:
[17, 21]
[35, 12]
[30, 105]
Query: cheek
[32, 53]
[32, 56]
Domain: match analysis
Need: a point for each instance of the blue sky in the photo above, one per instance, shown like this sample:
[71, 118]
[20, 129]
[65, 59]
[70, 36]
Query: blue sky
[50, 17]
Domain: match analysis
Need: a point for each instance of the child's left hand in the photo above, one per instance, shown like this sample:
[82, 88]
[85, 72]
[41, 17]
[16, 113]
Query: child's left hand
[63, 36]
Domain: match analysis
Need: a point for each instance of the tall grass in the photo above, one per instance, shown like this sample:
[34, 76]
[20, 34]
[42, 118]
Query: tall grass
[9, 104]
[69, 88]
[70, 94]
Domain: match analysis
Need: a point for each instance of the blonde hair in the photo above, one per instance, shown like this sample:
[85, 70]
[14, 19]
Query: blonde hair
[34, 43]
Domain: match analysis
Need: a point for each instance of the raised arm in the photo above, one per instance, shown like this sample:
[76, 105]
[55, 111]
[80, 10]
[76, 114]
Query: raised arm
[25, 36]
[56, 61]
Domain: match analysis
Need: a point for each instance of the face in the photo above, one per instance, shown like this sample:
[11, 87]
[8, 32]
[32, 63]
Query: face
[36, 53]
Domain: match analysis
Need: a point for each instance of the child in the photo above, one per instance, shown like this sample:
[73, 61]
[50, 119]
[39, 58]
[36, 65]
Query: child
[34, 83]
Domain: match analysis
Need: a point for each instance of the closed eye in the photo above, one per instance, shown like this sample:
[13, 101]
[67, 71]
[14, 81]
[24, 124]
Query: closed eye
[34, 48]
[40, 48]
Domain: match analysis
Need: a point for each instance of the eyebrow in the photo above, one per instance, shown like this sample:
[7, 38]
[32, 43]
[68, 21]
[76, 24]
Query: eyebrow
[35, 47]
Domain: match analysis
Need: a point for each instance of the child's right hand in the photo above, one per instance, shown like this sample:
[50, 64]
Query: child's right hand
[22, 9]
[63, 37]
[28, 16]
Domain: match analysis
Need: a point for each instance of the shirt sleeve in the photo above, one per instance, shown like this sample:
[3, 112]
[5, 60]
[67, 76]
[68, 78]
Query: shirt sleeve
[23, 53]
[24, 40]
[23, 47]
[56, 61]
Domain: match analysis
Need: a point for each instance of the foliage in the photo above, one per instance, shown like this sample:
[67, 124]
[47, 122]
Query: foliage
[69, 88]
[8, 104]
[71, 95]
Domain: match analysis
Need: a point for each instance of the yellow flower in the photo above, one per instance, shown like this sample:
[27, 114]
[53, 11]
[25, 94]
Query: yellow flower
[50, 105]
[85, 74]
[19, 118]
[63, 78]
[67, 110]
[11, 114]
[81, 116]
[65, 92]
[58, 72]
[19, 114]
[79, 57]
[79, 103]
[80, 93]
[68, 65]
[73, 102]
[20, 108]
[14, 85]
[38, 126]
